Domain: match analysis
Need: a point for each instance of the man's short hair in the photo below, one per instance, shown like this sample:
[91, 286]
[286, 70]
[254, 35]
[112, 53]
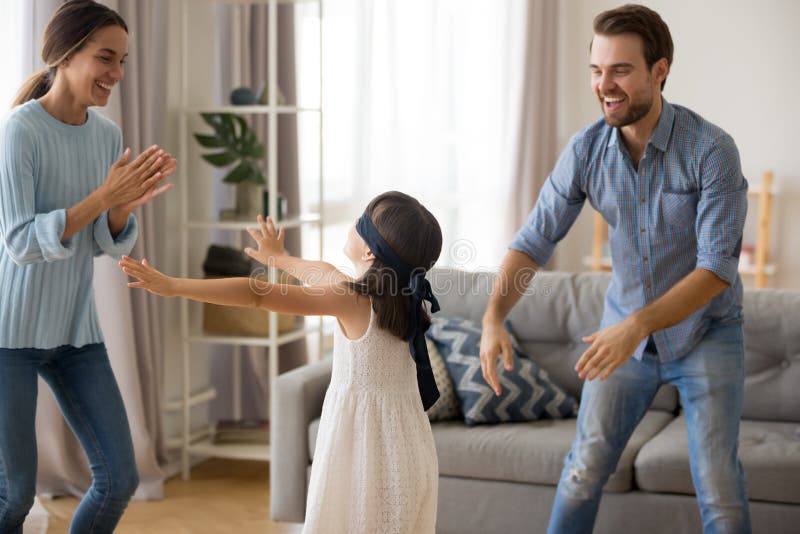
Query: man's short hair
[644, 22]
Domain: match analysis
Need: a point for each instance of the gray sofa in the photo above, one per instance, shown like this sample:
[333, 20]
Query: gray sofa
[502, 478]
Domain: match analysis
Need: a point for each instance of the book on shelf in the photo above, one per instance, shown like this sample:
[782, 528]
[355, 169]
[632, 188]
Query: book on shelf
[242, 431]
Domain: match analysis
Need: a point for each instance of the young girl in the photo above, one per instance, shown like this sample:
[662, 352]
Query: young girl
[375, 466]
[67, 193]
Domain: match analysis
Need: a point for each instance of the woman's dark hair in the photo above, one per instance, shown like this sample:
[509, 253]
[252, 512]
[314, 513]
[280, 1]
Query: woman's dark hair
[644, 22]
[414, 235]
[71, 26]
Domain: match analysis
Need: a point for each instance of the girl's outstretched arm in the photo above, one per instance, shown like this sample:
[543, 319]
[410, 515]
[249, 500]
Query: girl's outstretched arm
[336, 300]
[271, 252]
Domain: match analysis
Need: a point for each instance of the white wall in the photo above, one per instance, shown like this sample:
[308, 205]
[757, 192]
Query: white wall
[733, 65]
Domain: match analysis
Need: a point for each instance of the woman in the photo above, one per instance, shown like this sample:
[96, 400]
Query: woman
[63, 200]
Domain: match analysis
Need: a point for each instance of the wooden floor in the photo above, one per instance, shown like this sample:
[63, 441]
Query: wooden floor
[222, 496]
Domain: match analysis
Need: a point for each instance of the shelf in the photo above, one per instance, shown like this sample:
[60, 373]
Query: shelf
[605, 263]
[769, 269]
[757, 190]
[198, 222]
[200, 397]
[312, 218]
[254, 341]
[203, 433]
[251, 110]
[238, 451]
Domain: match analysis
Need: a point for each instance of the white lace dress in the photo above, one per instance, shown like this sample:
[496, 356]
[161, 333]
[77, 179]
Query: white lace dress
[375, 469]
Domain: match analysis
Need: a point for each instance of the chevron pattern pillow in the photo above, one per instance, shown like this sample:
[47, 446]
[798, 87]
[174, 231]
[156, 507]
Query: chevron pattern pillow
[528, 393]
[446, 408]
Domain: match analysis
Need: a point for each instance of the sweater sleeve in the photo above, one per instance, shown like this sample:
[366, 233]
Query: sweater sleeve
[116, 247]
[104, 242]
[28, 236]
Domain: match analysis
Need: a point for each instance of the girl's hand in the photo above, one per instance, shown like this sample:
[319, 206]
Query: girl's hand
[148, 278]
[269, 240]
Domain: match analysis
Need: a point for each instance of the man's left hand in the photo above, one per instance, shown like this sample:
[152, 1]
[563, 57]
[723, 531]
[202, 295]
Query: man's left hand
[609, 349]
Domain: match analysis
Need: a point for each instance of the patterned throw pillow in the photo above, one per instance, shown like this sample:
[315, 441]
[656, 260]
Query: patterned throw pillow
[446, 407]
[528, 394]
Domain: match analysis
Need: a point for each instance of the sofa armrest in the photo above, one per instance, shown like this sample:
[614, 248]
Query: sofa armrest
[299, 395]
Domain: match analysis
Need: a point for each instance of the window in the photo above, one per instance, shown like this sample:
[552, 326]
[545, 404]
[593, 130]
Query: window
[11, 36]
[420, 96]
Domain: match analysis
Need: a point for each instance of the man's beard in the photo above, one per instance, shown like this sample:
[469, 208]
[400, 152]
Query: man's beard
[636, 111]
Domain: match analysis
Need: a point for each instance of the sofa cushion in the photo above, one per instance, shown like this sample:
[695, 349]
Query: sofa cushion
[549, 321]
[447, 406]
[528, 452]
[772, 355]
[528, 394]
[769, 452]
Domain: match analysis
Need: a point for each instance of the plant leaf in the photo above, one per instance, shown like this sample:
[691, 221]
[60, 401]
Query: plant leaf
[240, 143]
[255, 175]
[221, 159]
[227, 129]
[239, 174]
[214, 120]
[256, 152]
[209, 141]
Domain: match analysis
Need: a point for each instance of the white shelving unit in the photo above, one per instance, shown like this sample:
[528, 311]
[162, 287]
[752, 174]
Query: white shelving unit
[198, 442]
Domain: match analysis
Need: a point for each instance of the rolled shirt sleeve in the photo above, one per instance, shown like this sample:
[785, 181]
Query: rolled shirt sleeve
[559, 204]
[28, 237]
[114, 247]
[721, 210]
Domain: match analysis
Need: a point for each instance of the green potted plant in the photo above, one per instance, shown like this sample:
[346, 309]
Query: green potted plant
[236, 146]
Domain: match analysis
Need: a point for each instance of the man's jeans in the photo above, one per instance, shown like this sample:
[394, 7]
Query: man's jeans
[710, 381]
[87, 393]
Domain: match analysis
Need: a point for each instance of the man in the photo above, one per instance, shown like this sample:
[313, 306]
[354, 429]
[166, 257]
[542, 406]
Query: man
[670, 186]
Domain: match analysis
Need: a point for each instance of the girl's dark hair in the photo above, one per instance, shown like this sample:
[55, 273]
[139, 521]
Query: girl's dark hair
[644, 22]
[414, 235]
[71, 26]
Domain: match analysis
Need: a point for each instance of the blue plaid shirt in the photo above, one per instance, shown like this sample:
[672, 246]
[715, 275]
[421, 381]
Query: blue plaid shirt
[683, 208]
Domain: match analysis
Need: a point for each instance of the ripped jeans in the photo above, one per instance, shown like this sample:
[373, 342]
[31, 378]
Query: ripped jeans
[710, 381]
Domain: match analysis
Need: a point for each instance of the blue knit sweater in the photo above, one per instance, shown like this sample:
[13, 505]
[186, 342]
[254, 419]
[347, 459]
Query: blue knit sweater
[46, 166]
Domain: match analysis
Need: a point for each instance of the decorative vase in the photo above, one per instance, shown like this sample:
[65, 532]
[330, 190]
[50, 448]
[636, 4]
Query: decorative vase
[243, 96]
[248, 200]
[282, 206]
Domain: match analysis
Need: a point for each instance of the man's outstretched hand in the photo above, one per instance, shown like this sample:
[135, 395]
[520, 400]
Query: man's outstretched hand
[609, 349]
[495, 341]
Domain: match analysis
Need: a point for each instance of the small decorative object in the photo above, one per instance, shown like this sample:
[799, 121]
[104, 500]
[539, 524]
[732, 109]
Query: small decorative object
[243, 96]
[263, 96]
[282, 205]
[237, 146]
[746, 256]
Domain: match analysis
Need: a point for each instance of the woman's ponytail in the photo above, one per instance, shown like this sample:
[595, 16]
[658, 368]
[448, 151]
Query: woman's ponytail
[34, 87]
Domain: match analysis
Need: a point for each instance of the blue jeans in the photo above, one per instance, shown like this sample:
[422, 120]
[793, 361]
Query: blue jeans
[710, 381]
[87, 393]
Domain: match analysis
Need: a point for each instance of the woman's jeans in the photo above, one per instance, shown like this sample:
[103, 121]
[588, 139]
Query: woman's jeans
[710, 381]
[87, 393]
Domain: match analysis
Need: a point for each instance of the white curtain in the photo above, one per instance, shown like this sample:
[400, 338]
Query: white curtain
[537, 135]
[424, 96]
